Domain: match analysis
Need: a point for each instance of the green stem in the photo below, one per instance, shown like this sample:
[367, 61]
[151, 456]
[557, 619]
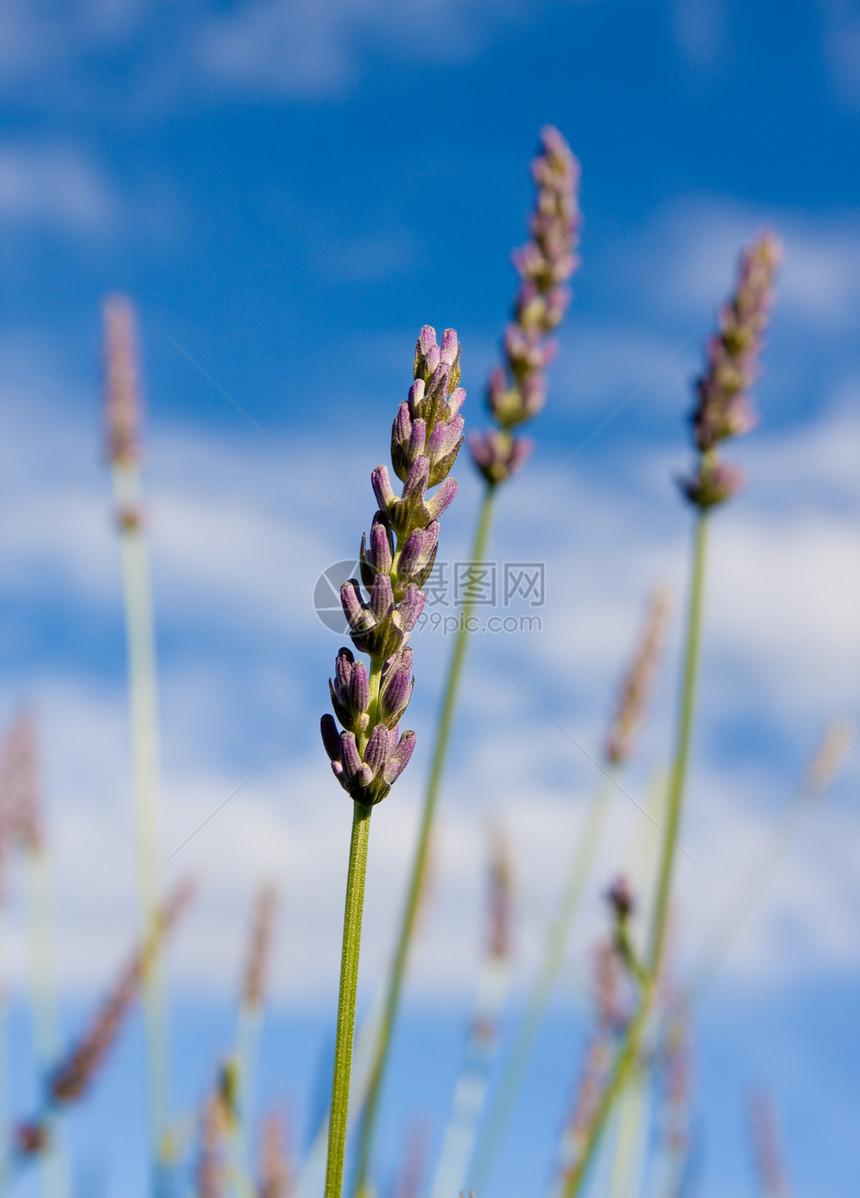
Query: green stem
[140, 632]
[513, 1074]
[682, 750]
[43, 988]
[629, 1050]
[353, 909]
[419, 863]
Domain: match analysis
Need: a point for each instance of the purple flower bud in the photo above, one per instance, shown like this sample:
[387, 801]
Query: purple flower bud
[411, 608]
[498, 454]
[343, 667]
[518, 392]
[399, 759]
[456, 400]
[380, 547]
[350, 692]
[330, 737]
[441, 501]
[359, 689]
[411, 553]
[382, 488]
[356, 614]
[381, 598]
[417, 557]
[724, 408]
[395, 689]
[427, 353]
[450, 347]
[712, 485]
[426, 435]
[349, 755]
[377, 751]
[416, 483]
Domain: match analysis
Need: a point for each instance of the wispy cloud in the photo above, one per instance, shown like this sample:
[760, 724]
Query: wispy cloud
[308, 49]
[699, 239]
[55, 185]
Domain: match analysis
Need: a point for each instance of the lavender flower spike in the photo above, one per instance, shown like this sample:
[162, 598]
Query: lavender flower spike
[396, 560]
[517, 392]
[725, 408]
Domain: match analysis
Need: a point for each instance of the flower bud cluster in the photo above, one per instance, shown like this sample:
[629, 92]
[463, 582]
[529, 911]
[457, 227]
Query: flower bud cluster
[517, 391]
[638, 682]
[724, 407]
[396, 559]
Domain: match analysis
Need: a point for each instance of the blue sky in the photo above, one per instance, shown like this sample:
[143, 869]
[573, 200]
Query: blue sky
[289, 191]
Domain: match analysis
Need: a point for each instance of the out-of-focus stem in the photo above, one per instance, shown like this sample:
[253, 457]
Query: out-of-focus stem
[682, 751]
[353, 909]
[43, 988]
[527, 1032]
[629, 1050]
[145, 755]
[741, 901]
[419, 862]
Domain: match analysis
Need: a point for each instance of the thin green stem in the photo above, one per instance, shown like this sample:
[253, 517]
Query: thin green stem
[43, 988]
[419, 863]
[146, 768]
[353, 909]
[629, 1050]
[513, 1074]
[682, 750]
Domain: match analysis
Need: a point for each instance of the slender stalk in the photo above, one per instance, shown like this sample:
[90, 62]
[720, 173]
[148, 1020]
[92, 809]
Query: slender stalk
[740, 903]
[629, 1049]
[43, 987]
[145, 755]
[353, 909]
[682, 751]
[247, 1046]
[419, 862]
[502, 1106]
[630, 1141]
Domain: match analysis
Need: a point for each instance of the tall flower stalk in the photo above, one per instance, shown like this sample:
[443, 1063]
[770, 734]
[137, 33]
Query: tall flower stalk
[516, 392]
[123, 418]
[369, 754]
[635, 692]
[70, 1079]
[22, 803]
[494, 985]
[724, 409]
[249, 1023]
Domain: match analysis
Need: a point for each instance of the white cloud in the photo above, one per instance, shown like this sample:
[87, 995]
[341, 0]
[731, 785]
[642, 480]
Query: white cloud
[699, 27]
[54, 185]
[238, 538]
[841, 42]
[699, 242]
[307, 49]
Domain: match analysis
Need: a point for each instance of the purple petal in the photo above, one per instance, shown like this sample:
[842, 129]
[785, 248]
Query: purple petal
[411, 607]
[349, 755]
[416, 482]
[443, 498]
[359, 689]
[330, 737]
[378, 749]
[399, 759]
[380, 547]
[450, 346]
[353, 609]
[381, 597]
[411, 553]
[382, 488]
